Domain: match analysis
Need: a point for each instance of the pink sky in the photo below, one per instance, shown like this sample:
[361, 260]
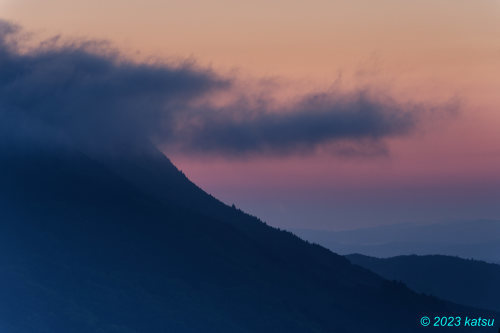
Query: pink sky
[429, 51]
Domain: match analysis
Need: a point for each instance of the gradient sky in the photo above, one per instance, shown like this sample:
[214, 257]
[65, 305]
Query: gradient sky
[424, 51]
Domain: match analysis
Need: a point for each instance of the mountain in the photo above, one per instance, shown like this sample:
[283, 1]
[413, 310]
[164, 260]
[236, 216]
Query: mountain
[478, 239]
[116, 239]
[470, 282]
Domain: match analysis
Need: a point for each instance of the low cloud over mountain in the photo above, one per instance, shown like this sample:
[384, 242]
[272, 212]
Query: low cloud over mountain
[90, 93]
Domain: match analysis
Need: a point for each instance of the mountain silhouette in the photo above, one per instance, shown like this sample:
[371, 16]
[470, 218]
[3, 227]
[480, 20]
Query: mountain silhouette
[463, 281]
[478, 239]
[118, 240]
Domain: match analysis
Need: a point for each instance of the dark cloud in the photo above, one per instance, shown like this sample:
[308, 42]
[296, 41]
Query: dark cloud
[87, 92]
[356, 122]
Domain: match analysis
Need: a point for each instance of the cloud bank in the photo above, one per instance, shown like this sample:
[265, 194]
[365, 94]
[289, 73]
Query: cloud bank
[355, 119]
[86, 90]
[91, 94]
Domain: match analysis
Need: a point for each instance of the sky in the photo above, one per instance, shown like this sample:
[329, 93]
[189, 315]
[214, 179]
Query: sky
[335, 114]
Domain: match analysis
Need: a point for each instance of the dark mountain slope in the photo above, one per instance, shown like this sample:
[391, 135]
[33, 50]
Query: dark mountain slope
[125, 243]
[463, 281]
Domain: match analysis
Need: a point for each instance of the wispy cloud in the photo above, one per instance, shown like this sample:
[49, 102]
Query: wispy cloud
[313, 121]
[90, 93]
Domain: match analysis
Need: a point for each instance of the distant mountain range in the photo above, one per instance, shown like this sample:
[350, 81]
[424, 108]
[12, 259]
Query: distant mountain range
[479, 239]
[463, 281]
[120, 241]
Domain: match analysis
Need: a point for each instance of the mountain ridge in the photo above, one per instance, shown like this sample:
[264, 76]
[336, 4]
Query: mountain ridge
[88, 245]
[464, 281]
[478, 239]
